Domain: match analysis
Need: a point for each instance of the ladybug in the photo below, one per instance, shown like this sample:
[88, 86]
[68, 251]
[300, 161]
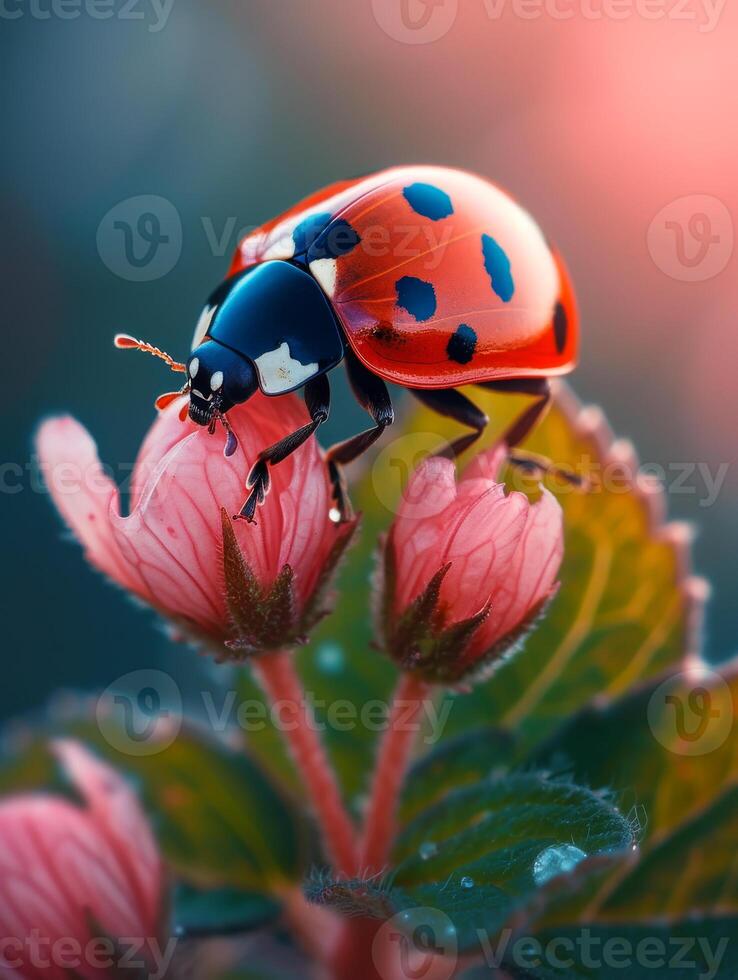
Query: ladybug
[423, 276]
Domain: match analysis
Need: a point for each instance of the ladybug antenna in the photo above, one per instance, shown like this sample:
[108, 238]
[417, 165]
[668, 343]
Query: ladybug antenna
[125, 342]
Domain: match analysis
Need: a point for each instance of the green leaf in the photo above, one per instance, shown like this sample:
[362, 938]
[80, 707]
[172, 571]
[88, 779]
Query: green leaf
[484, 851]
[220, 912]
[219, 820]
[672, 745]
[694, 871]
[636, 744]
[456, 763]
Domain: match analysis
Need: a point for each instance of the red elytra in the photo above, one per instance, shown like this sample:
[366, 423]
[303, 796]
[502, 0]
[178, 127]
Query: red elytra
[524, 325]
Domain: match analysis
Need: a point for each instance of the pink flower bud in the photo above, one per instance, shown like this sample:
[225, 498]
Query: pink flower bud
[467, 568]
[78, 878]
[236, 586]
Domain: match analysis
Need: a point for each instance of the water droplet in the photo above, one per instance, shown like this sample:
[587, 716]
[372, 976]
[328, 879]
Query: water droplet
[467, 882]
[555, 861]
[330, 658]
[428, 849]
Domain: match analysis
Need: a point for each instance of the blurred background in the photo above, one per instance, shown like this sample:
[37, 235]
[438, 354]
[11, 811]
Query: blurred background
[613, 121]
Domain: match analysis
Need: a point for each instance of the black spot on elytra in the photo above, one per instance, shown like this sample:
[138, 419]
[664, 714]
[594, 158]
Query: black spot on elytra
[338, 239]
[428, 200]
[561, 327]
[497, 265]
[462, 345]
[416, 296]
[310, 228]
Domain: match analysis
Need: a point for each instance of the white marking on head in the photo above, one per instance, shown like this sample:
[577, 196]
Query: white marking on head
[325, 271]
[203, 325]
[279, 370]
[205, 398]
[216, 381]
[194, 366]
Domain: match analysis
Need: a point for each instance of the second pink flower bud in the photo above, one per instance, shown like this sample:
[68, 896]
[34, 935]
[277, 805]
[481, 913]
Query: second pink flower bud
[467, 569]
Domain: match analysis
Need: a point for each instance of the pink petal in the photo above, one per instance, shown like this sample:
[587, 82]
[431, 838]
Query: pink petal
[532, 573]
[62, 864]
[168, 550]
[426, 505]
[115, 810]
[84, 495]
[481, 546]
[487, 465]
[166, 431]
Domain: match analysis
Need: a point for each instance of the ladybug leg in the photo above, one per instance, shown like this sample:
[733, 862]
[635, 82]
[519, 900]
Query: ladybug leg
[524, 424]
[453, 405]
[371, 393]
[318, 400]
[521, 428]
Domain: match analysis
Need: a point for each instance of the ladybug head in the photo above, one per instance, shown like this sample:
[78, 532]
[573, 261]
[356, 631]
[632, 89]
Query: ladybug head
[218, 379]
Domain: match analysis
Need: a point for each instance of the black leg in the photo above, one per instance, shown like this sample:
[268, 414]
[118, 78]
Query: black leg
[453, 405]
[527, 420]
[524, 425]
[371, 393]
[318, 400]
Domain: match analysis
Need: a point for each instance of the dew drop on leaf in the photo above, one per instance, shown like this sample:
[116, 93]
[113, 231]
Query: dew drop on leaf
[330, 658]
[467, 882]
[428, 849]
[556, 860]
